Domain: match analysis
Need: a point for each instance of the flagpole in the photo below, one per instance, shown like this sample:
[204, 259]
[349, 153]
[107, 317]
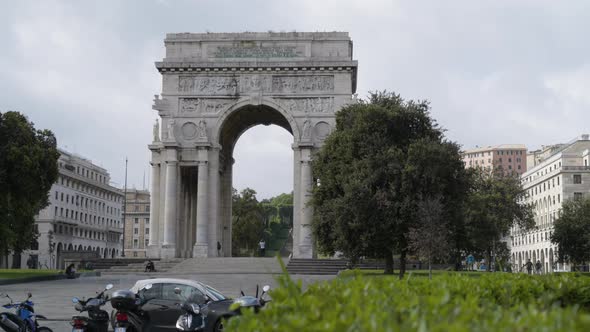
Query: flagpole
[124, 209]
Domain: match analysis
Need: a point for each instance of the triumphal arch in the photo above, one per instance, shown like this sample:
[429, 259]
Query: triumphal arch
[215, 86]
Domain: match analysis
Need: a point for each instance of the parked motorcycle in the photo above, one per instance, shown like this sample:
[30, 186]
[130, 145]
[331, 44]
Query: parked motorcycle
[25, 319]
[97, 319]
[255, 302]
[128, 316]
[194, 313]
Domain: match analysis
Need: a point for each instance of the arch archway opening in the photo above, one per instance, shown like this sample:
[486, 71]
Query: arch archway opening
[252, 162]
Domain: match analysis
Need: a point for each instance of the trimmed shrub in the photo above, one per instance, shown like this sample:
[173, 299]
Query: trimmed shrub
[449, 302]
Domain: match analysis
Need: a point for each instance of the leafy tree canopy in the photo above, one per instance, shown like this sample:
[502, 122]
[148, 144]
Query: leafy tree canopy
[494, 205]
[385, 155]
[572, 231]
[28, 168]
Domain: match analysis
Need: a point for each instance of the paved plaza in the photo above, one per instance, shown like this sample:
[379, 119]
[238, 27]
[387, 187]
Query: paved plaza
[53, 298]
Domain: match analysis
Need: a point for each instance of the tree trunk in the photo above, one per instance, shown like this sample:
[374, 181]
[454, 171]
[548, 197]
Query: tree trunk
[402, 264]
[489, 260]
[429, 268]
[16, 260]
[388, 263]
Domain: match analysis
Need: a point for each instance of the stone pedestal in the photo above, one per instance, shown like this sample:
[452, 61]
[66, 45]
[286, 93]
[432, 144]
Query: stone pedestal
[168, 252]
[201, 250]
[153, 251]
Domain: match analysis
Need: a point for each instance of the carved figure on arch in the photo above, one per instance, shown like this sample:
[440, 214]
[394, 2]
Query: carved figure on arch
[202, 130]
[171, 137]
[306, 130]
[156, 131]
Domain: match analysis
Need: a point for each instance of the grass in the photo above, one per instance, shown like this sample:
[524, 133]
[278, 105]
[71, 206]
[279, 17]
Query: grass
[424, 273]
[25, 273]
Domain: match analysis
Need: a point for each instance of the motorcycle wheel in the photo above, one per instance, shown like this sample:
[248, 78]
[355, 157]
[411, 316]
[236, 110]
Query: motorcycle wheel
[218, 326]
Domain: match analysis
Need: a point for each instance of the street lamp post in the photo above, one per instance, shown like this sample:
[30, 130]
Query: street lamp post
[124, 209]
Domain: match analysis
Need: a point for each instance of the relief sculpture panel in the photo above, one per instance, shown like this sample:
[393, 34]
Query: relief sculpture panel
[198, 106]
[235, 85]
[309, 105]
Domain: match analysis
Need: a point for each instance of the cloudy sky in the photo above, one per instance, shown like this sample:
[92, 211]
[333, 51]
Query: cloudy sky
[496, 72]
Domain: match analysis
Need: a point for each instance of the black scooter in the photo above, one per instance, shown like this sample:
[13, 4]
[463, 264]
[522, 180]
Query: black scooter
[194, 313]
[97, 319]
[128, 316]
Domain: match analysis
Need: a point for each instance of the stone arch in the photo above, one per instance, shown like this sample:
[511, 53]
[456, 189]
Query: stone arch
[203, 95]
[245, 103]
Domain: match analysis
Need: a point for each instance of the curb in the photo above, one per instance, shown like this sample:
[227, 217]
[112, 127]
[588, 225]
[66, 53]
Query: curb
[46, 278]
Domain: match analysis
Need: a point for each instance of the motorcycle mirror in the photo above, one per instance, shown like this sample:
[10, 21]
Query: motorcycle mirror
[196, 308]
[109, 286]
[29, 295]
[266, 288]
[75, 300]
[177, 291]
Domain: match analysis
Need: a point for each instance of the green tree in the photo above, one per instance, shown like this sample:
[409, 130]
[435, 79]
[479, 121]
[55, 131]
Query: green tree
[383, 156]
[28, 168]
[247, 222]
[494, 205]
[571, 232]
[429, 237]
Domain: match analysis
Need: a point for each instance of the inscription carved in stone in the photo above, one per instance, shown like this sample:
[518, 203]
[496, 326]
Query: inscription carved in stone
[309, 105]
[201, 105]
[257, 52]
[232, 85]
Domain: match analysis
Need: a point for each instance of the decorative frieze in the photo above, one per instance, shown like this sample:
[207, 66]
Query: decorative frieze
[243, 84]
[195, 106]
[309, 105]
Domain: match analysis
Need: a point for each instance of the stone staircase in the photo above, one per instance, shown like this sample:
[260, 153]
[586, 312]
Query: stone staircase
[231, 265]
[161, 266]
[326, 266]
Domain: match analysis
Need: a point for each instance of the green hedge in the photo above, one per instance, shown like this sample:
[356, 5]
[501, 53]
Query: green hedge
[452, 302]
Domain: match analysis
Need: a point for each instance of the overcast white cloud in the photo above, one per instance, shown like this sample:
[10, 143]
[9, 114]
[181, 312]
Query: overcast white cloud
[496, 72]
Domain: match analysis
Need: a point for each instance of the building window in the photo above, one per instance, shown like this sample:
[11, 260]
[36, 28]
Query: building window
[136, 231]
[137, 220]
[558, 181]
[577, 178]
[147, 221]
[147, 231]
[518, 166]
[147, 242]
[135, 243]
[578, 195]
[135, 254]
[147, 208]
[136, 208]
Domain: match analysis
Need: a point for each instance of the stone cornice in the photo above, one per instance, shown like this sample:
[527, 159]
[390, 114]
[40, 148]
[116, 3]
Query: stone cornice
[260, 36]
[256, 66]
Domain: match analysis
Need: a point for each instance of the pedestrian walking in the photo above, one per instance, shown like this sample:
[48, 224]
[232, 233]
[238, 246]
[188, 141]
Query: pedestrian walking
[262, 247]
[538, 267]
[529, 266]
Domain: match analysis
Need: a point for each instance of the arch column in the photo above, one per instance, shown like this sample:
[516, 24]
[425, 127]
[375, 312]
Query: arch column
[170, 208]
[201, 248]
[305, 193]
[154, 204]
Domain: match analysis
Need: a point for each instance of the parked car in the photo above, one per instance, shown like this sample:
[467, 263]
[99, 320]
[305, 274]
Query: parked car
[161, 303]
